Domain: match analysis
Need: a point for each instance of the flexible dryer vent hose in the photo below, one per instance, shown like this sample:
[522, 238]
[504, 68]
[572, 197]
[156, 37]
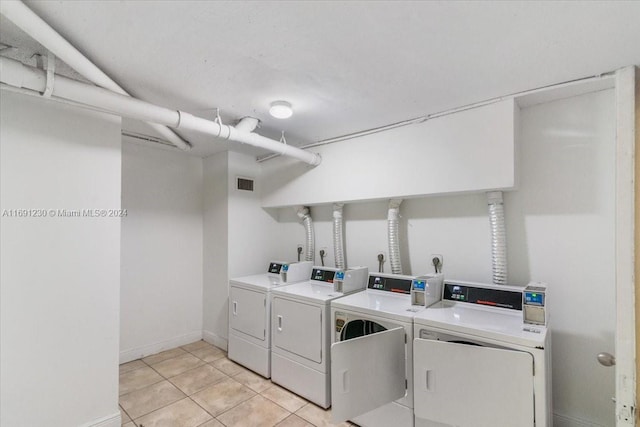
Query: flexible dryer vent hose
[304, 214]
[338, 236]
[393, 235]
[498, 237]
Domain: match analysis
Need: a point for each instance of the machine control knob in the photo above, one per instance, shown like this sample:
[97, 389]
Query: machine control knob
[606, 359]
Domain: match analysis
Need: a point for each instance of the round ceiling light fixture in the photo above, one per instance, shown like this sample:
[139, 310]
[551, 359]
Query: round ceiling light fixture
[281, 110]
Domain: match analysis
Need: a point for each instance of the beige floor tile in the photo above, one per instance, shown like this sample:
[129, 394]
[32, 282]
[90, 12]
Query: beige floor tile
[317, 416]
[183, 413]
[227, 366]
[197, 379]
[209, 354]
[143, 401]
[168, 354]
[137, 379]
[212, 423]
[255, 412]
[124, 417]
[289, 401]
[254, 381]
[222, 396]
[196, 345]
[131, 424]
[177, 365]
[130, 366]
[293, 421]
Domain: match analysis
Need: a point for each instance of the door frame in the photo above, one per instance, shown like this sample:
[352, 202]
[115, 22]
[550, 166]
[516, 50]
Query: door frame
[626, 217]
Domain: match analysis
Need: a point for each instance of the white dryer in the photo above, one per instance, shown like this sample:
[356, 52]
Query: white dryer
[477, 365]
[372, 351]
[301, 330]
[250, 313]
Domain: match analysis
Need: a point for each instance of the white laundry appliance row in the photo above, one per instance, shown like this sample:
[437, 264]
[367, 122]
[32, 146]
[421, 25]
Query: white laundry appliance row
[250, 313]
[466, 361]
[379, 360]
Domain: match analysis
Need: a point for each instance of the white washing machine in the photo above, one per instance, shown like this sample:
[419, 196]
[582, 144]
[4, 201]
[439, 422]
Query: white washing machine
[250, 313]
[477, 365]
[372, 351]
[301, 330]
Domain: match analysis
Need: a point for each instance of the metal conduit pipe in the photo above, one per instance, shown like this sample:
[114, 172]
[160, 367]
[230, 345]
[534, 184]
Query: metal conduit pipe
[305, 214]
[18, 13]
[338, 235]
[14, 73]
[498, 237]
[393, 235]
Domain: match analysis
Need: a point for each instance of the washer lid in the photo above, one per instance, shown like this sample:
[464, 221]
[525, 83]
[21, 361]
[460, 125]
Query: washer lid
[498, 324]
[379, 303]
[264, 281]
[314, 291]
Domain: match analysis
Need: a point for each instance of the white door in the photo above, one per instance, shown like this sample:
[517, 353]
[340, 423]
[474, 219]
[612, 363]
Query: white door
[366, 373]
[297, 328]
[247, 312]
[472, 386]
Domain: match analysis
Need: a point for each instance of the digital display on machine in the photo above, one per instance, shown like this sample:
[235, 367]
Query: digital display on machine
[534, 298]
[419, 285]
[275, 267]
[483, 296]
[389, 284]
[322, 275]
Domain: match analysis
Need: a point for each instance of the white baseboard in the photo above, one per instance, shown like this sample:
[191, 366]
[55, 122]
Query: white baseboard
[565, 421]
[215, 339]
[139, 352]
[113, 420]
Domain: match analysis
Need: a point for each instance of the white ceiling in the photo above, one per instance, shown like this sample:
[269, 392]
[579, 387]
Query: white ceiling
[345, 66]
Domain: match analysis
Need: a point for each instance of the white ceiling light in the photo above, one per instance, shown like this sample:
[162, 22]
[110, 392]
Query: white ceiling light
[281, 110]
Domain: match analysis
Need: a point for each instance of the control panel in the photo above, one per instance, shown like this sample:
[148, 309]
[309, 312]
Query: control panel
[476, 294]
[295, 271]
[351, 280]
[274, 267]
[534, 311]
[323, 274]
[390, 283]
[426, 290]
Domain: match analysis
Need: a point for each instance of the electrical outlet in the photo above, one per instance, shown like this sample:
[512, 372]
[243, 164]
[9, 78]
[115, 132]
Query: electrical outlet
[437, 268]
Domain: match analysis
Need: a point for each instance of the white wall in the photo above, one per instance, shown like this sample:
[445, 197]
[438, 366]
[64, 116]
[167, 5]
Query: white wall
[471, 150]
[215, 249]
[560, 226]
[60, 289]
[162, 264]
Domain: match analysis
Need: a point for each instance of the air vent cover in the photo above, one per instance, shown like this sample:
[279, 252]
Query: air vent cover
[245, 184]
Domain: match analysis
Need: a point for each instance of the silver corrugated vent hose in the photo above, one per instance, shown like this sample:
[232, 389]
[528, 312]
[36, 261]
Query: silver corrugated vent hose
[393, 224]
[338, 236]
[304, 214]
[498, 237]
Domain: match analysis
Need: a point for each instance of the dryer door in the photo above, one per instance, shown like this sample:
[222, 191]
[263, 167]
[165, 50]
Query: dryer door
[472, 386]
[297, 328]
[367, 372]
[248, 312]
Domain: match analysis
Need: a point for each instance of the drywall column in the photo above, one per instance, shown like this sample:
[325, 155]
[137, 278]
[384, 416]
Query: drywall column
[60, 264]
[161, 301]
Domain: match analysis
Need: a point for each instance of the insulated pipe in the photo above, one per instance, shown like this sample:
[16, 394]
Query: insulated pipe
[18, 13]
[247, 124]
[304, 214]
[393, 235]
[16, 74]
[338, 235]
[498, 237]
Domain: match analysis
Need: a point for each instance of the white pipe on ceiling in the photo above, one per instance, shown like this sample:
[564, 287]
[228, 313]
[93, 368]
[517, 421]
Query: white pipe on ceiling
[16, 74]
[18, 13]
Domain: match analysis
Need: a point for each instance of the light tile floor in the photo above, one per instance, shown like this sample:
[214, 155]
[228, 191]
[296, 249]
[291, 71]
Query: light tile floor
[196, 385]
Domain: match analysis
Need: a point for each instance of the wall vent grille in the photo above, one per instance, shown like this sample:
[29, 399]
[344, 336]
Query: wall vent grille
[245, 184]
